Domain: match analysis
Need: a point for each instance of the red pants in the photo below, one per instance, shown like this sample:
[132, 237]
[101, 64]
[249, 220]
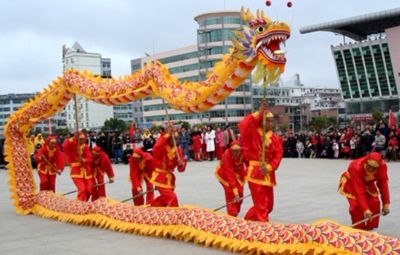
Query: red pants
[263, 202]
[204, 151]
[167, 198]
[197, 154]
[149, 195]
[232, 209]
[357, 213]
[98, 191]
[219, 150]
[47, 182]
[84, 187]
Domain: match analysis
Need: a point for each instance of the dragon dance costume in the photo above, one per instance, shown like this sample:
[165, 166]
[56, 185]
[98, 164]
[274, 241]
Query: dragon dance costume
[81, 172]
[261, 185]
[101, 165]
[141, 169]
[50, 161]
[361, 184]
[165, 161]
[231, 172]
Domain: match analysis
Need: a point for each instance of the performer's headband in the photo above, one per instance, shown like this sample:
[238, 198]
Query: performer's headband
[373, 163]
[235, 147]
[269, 115]
[135, 155]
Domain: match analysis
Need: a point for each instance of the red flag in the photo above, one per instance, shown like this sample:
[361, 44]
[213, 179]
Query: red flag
[132, 130]
[392, 119]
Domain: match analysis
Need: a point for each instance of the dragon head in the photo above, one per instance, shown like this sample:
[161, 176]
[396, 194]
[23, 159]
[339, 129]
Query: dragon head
[261, 40]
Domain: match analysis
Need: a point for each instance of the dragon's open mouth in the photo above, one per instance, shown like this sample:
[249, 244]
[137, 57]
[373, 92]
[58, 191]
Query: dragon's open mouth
[270, 46]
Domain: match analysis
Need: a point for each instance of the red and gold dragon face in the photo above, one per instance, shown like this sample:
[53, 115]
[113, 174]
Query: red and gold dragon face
[262, 39]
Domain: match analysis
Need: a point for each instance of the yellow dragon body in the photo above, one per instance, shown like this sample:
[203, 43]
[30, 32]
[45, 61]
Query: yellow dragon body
[257, 46]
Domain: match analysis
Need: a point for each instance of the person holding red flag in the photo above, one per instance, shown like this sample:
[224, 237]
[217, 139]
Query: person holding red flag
[261, 170]
[131, 132]
[50, 162]
[167, 156]
[231, 172]
[80, 159]
[101, 165]
[362, 184]
[141, 169]
[392, 120]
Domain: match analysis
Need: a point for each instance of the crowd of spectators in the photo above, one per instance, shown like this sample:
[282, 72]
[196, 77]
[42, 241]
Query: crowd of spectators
[348, 143]
[207, 143]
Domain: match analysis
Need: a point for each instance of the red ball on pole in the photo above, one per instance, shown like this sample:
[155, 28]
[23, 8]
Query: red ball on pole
[268, 3]
[289, 4]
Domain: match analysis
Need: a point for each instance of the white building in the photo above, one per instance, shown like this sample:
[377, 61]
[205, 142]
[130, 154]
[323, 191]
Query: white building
[91, 115]
[299, 101]
[192, 63]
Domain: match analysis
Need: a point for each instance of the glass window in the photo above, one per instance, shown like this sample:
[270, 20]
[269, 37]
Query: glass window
[185, 68]
[233, 20]
[216, 35]
[180, 57]
[342, 74]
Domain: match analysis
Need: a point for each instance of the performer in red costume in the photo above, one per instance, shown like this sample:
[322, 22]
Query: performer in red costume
[261, 177]
[362, 183]
[165, 155]
[101, 164]
[231, 173]
[141, 168]
[50, 162]
[80, 161]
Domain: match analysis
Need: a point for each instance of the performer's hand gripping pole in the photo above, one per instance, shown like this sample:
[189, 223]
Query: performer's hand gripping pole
[77, 127]
[172, 135]
[263, 103]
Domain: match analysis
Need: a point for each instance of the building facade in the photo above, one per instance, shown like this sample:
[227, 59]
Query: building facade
[192, 63]
[366, 76]
[91, 115]
[294, 106]
[368, 67]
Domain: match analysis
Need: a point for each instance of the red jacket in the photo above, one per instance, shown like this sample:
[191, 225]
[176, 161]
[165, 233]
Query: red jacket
[54, 157]
[165, 160]
[143, 170]
[102, 165]
[231, 173]
[251, 137]
[196, 142]
[356, 183]
[78, 169]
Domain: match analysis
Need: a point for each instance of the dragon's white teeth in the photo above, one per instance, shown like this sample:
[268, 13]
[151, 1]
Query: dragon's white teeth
[259, 44]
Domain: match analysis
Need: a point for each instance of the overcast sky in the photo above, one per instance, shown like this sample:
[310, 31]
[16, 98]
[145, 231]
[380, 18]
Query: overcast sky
[32, 33]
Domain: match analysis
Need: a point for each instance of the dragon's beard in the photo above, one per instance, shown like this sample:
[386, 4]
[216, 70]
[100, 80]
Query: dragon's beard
[267, 72]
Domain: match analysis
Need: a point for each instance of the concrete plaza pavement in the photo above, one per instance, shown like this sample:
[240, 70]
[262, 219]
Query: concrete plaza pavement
[306, 192]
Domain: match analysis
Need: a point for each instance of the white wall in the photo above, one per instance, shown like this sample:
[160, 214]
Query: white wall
[98, 114]
[91, 114]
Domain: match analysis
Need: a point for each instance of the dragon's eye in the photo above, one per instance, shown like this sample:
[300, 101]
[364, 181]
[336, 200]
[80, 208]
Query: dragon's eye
[260, 29]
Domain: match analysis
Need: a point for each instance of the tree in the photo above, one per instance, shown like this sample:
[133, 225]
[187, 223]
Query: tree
[377, 115]
[332, 121]
[159, 128]
[319, 122]
[184, 124]
[62, 131]
[114, 124]
[284, 127]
